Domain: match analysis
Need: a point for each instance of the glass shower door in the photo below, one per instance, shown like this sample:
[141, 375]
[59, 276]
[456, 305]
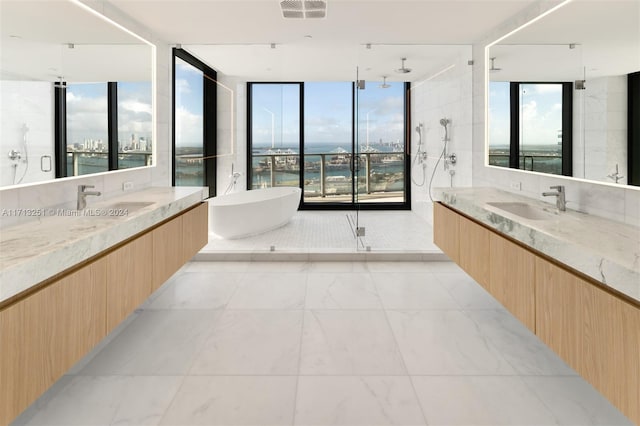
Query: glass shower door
[359, 169]
[380, 157]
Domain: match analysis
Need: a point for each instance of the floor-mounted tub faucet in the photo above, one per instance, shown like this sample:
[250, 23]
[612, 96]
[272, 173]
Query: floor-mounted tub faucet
[82, 195]
[561, 202]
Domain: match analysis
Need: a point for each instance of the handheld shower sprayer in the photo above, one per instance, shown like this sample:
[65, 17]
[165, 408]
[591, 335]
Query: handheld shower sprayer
[420, 156]
[233, 179]
[20, 156]
[444, 122]
[447, 159]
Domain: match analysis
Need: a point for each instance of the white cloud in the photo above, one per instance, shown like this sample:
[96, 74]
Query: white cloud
[182, 87]
[134, 106]
[86, 118]
[188, 128]
[544, 89]
[529, 111]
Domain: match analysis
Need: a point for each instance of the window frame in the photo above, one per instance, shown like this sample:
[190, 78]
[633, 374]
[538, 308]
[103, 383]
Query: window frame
[353, 204]
[209, 118]
[60, 129]
[567, 125]
[633, 129]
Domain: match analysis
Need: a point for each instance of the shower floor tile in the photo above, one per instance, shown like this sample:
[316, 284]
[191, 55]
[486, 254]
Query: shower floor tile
[330, 232]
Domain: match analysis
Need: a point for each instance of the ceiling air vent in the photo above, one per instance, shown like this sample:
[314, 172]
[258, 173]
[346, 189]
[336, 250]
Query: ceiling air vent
[304, 9]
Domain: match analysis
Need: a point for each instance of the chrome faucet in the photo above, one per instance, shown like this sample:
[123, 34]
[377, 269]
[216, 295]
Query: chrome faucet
[82, 195]
[561, 202]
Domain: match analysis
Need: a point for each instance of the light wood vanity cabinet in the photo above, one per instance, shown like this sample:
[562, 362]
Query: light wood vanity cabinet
[447, 234]
[500, 266]
[46, 332]
[168, 254]
[177, 241]
[596, 332]
[129, 272]
[193, 239]
[474, 257]
[512, 277]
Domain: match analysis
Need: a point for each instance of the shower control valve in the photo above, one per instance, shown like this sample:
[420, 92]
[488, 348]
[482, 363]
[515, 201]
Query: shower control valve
[452, 159]
[14, 155]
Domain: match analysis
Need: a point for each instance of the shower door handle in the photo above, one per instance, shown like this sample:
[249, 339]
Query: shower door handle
[45, 163]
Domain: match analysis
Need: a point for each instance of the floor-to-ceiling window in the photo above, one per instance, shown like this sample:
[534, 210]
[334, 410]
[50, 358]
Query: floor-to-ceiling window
[103, 126]
[340, 152]
[530, 126]
[381, 148]
[134, 124]
[194, 122]
[328, 142]
[275, 134]
[87, 128]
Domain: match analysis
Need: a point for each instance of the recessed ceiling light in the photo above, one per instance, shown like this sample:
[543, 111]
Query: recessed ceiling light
[308, 36]
[14, 36]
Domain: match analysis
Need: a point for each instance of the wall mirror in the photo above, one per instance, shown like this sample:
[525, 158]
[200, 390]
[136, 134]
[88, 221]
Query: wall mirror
[558, 92]
[75, 93]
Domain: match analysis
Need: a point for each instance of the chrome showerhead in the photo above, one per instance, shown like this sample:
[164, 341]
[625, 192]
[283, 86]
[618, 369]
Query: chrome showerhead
[403, 69]
[444, 122]
[493, 68]
[384, 84]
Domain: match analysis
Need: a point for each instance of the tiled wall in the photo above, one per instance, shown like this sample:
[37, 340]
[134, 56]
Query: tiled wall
[616, 202]
[447, 95]
[63, 192]
[602, 117]
[30, 104]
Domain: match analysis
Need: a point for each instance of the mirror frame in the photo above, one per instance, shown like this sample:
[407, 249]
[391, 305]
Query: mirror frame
[486, 81]
[154, 127]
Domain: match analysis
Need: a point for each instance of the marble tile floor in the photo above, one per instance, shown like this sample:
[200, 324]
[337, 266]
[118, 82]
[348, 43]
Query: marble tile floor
[321, 343]
[330, 232]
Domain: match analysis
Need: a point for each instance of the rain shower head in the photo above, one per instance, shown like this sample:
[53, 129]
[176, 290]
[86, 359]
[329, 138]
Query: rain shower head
[493, 65]
[403, 69]
[384, 84]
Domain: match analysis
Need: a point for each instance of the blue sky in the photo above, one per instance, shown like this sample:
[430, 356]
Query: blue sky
[328, 113]
[189, 105]
[540, 113]
[87, 111]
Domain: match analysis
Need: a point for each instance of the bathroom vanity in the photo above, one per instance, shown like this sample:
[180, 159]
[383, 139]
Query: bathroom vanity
[67, 281]
[571, 278]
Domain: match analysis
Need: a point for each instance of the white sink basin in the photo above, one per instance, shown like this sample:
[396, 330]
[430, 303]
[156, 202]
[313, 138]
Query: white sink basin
[130, 205]
[523, 210]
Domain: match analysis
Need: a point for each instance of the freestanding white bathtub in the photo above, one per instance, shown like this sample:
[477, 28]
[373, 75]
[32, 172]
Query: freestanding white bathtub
[252, 212]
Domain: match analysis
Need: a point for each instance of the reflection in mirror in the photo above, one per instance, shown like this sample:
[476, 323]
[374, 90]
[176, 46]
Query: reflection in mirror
[74, 85]
[592, 48]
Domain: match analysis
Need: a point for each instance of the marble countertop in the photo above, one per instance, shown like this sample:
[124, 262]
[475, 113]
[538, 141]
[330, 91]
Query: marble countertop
[58, 239]
[602, 249]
